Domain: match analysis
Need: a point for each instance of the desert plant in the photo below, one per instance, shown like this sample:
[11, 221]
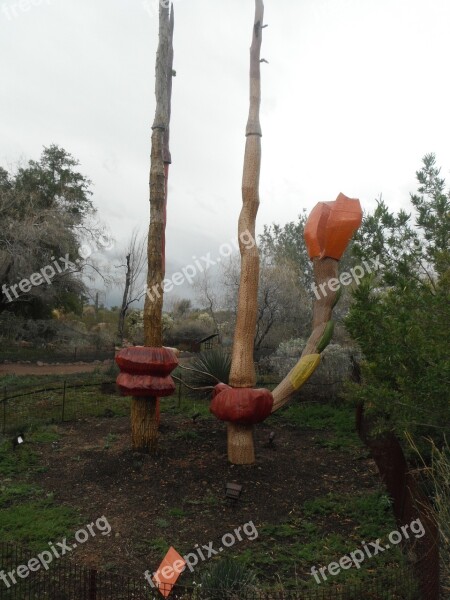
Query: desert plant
[210, 367]
[188, 329]
[437, 473]
[440, 473]
[226, 579]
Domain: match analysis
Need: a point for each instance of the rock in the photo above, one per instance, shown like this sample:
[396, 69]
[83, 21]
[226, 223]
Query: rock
[39, 363]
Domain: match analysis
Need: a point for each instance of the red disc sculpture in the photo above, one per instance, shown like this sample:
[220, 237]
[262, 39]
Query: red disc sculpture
[145, 373]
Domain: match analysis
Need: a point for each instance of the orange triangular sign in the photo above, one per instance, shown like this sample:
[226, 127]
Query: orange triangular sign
[168, 572]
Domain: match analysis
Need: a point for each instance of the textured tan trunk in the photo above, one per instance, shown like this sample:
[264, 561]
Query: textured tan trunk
[240, 437]
[144, 424]
[156, 268]
[145, 411]
[241, 447]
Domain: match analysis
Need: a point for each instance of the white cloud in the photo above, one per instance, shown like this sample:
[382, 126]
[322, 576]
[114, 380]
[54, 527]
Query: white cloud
[353, 96]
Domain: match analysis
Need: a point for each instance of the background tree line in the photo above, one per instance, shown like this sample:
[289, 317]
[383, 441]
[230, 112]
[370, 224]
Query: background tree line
[45, 213]
[397, 317]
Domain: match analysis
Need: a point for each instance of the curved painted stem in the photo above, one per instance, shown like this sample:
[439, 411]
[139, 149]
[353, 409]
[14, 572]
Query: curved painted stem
[324, 270]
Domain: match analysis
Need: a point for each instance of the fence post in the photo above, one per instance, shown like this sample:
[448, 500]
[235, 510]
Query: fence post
[63, 401]
[92, 584]
[4, 408]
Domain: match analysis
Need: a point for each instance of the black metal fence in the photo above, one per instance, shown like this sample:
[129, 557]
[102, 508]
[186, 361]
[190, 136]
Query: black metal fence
[56, 355]
[61, 400]
[58, 402]
[409, 503]
[65, 580]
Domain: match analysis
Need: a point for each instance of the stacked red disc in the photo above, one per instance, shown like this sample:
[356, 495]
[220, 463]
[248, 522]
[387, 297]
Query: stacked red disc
[146, 371]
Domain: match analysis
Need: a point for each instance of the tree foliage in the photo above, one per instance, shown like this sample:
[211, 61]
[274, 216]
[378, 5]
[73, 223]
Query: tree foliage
[285, 244]
[400, 315]
[45, 211]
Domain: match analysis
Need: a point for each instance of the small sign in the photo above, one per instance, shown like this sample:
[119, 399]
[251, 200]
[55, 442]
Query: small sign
[168, 572]
[18, 440]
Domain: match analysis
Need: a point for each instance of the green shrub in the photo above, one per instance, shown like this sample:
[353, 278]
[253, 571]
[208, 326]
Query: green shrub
[440, 473]
[210, 366]
[226, 579]
[437, 478]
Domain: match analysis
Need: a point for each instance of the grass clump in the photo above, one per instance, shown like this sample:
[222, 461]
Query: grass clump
[339, 420]
[28, 517]
[226, 579]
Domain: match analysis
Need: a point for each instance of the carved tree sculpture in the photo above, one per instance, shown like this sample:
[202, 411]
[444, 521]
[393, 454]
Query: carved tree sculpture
[242, 374]
[327, 233]
[145, 370]
[328, 230]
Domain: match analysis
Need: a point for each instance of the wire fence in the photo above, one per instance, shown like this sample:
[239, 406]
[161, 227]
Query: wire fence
[409, 503]
[65, 580]
[56, 355]
[62, 400]
[57, 403]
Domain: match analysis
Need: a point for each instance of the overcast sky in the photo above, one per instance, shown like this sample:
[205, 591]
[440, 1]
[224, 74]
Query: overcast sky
[355, 93]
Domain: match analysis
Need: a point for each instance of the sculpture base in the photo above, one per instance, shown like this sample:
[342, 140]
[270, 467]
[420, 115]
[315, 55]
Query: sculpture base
[241, 447]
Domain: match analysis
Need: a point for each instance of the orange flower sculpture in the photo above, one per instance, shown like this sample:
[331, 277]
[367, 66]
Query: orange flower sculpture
[330, 227]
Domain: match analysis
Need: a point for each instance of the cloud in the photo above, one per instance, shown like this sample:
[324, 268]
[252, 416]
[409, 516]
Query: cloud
[346, 103]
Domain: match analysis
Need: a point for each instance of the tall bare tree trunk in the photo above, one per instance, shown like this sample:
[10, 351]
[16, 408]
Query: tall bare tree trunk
[240, 437]
[123, 310]
[145, 411]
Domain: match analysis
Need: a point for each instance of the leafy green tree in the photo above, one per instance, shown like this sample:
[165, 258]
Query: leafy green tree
[433, 216]
[45, 213]
[54, 183]
[286, 245]
[400, 315]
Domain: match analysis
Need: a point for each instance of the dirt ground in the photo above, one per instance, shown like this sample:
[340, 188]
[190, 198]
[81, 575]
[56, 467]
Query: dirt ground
[33, 369]
[178, 497]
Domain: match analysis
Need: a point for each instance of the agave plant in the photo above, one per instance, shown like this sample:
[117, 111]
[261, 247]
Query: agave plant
[209, 368]
[226, 579]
